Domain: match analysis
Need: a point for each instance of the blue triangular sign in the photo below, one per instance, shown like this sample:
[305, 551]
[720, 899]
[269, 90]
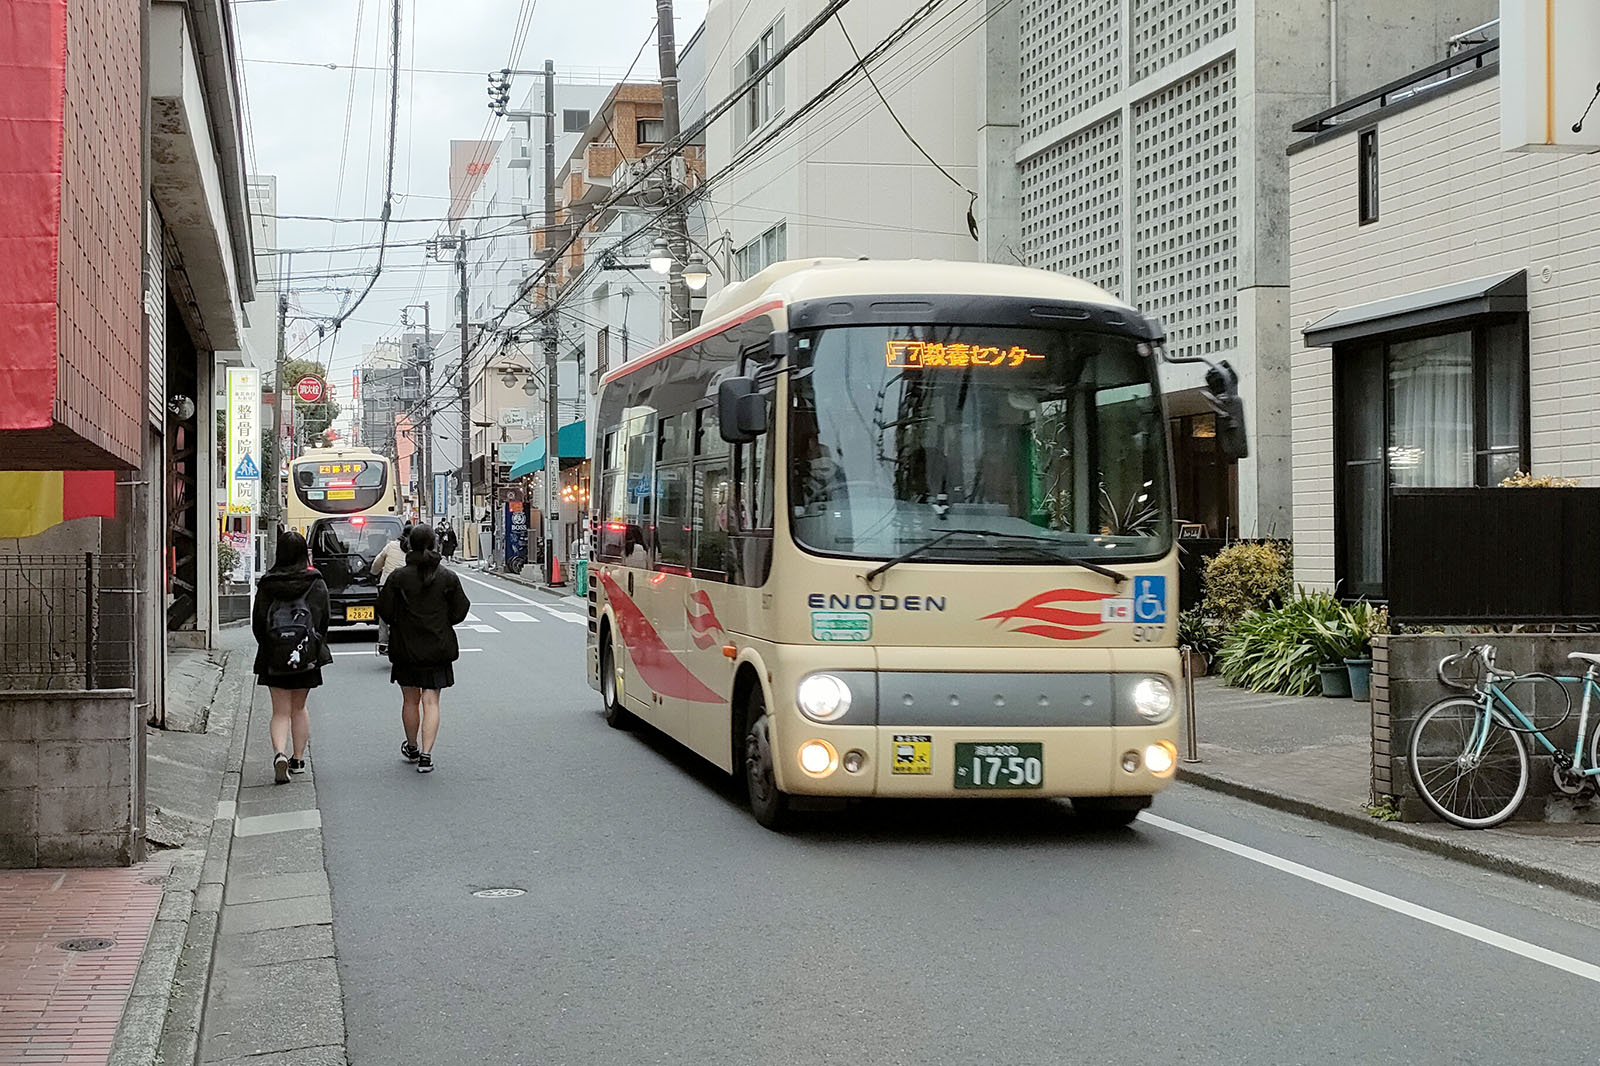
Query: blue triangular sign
[247, 468]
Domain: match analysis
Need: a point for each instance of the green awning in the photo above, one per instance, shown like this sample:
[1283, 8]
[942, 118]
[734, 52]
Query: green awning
[571, 443]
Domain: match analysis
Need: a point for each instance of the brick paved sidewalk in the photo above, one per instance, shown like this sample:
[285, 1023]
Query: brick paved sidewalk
[61, 1006]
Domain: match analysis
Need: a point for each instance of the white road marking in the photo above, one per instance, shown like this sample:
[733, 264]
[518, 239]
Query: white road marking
[516, 616]
[479, 628]
[471, 618]
[565, 616]
[491, 629]
[1577, 967]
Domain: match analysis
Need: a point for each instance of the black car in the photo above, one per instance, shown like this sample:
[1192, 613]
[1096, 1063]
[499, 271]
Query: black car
[344, 549]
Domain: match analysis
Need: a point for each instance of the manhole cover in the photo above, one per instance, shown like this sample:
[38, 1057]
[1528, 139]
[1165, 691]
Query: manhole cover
[499, 893]
[87, 943]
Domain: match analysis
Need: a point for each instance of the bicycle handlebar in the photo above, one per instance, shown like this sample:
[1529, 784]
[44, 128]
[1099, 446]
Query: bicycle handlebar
[1484, 653]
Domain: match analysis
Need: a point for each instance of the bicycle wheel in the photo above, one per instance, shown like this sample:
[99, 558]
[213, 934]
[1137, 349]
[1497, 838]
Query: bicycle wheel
[1474, 787]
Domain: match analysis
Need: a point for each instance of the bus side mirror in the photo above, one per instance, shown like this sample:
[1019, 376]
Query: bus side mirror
[741, 411]
[1222, 394]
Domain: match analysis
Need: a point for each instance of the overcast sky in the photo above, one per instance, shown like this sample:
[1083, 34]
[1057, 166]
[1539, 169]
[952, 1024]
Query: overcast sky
[303, 120]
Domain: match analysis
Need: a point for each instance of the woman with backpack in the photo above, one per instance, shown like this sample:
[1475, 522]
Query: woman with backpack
[290, 623]
[423, 603]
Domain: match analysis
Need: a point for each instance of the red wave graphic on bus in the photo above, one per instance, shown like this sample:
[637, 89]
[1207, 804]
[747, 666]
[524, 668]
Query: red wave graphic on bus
[1057, 623]
[704, 625]
[663, 671]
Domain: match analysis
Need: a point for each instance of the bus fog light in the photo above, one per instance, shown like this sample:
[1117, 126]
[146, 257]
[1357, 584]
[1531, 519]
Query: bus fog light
[1130, 761]
[818, 758]
[823, 697]
[854, 761]
[1161, 757]
[1152, 698]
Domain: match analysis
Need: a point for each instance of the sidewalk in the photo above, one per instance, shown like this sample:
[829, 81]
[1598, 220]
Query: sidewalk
[1312, 757]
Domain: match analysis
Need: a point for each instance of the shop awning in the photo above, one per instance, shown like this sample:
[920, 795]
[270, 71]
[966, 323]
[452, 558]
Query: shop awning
[1498, 294]
[571, 443]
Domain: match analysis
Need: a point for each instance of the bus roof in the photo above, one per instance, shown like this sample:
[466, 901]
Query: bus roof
[819, 279]
[320, 455]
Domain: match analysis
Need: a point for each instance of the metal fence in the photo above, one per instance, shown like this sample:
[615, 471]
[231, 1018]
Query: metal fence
[67, 621]
[1487, 556]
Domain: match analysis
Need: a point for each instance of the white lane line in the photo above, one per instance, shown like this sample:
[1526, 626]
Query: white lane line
[471, 618]
[479, 628]
[1577, 967]
[491, 629]
[496, 588]
[565, 616]
[516, 616]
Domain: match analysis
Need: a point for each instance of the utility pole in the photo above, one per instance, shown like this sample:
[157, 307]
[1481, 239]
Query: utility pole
[272, 459]
[424, 452]
[552, 459]
[677, 225]
[464, 390]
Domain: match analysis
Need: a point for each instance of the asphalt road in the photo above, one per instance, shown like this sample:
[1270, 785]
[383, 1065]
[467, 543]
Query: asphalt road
[660, 924]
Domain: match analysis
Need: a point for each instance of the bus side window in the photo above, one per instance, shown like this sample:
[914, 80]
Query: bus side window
[713, 511]
[751, 561]
[672, 517]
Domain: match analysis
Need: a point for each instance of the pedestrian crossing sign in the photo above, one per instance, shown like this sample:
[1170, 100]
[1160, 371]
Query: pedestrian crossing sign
[247, 468]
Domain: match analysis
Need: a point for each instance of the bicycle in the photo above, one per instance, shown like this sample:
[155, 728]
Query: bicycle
[1468, 757]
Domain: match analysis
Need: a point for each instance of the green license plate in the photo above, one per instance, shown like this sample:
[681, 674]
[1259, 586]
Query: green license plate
[1000, 766]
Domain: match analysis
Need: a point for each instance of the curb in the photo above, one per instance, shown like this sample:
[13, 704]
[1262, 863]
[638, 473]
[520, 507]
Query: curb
[1397, 832]
[161, 1022]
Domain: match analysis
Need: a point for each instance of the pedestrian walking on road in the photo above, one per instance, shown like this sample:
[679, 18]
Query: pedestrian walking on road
[290, 623]
[447, 542]
[423, 603]
[387, 562]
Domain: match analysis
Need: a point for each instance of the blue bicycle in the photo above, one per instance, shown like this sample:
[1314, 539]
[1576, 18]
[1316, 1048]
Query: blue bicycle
[1468, 755]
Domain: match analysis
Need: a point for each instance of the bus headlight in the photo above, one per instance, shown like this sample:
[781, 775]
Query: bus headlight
[1161, 757]
[823, 697]
[818, 758]
[1152, 698]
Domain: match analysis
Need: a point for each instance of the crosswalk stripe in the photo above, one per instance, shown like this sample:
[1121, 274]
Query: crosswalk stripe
[565, 616]
[516, 616]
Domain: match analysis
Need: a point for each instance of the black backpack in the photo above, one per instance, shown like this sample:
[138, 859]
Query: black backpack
[291, 643]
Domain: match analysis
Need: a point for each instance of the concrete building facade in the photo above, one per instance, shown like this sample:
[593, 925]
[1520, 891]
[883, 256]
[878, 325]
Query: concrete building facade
[1149, 148]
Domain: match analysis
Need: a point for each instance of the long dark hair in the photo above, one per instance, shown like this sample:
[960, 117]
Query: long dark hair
[422, 553]
[293, 555]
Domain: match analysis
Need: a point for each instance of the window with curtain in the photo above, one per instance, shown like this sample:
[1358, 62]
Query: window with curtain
[1444, 410]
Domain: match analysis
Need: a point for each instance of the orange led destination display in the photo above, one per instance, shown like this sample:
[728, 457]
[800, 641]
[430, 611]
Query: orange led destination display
[912, 355]
[341, 468]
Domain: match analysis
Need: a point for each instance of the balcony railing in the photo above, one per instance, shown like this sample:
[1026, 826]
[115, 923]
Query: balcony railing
[1417, 82]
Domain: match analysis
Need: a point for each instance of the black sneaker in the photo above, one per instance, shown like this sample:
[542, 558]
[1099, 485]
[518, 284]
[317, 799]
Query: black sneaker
[424, 762]
[280, 768]
[297, 766]
[409, 751]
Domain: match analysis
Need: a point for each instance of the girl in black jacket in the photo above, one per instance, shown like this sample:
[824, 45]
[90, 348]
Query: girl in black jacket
[423, 604]
[288, 666]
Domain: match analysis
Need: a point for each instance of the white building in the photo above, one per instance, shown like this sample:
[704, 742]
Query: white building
[1149, 139]
[260, 344]
[1444, 307]
[842, 180]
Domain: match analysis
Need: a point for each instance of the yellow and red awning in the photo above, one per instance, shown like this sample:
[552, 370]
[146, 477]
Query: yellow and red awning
[31, 501]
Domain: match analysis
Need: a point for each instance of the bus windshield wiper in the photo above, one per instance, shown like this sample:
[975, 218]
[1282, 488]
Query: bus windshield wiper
[1046, 545]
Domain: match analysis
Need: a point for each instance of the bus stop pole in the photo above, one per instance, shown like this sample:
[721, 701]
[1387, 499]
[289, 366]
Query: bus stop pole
[1191, 745]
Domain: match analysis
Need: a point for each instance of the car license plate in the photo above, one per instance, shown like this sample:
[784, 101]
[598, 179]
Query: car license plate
[1000, 766]
[358, 614]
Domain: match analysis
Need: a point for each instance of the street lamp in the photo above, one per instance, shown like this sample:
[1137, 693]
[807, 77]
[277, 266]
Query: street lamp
[695, 272]
[661, 257]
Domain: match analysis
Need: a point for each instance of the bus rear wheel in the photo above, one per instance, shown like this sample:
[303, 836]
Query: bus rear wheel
[616, 715]
[768, 803]
[1109, 812]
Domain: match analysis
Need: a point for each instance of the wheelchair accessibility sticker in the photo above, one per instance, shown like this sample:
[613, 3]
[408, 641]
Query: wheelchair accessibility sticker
[1149, 600]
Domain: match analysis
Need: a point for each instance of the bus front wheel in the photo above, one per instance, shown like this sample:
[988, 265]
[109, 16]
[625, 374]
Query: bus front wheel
[616, 715]
[768, 803]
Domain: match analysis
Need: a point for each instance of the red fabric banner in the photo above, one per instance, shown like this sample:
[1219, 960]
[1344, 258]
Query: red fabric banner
[88, 494]
[33, 58]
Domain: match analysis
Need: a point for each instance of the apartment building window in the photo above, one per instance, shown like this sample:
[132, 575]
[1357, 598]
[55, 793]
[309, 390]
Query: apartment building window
[651, 131]
[574, 120]
[771, 247]
[602, 349]
[1368, 158]
[765, 99]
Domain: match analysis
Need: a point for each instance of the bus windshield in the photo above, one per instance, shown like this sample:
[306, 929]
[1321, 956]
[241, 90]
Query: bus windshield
[1052, 438]
[340, 487]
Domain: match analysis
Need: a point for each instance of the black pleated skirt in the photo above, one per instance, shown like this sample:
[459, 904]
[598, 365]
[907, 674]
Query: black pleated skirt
[435, 677]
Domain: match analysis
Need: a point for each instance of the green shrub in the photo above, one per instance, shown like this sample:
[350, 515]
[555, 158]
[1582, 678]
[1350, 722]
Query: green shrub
[227, 561]
[1278, 650]
[1245, 577]
[1197, 633]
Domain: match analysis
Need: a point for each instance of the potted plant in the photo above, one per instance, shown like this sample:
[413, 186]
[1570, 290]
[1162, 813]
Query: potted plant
[1198, 635]
[1363, 621]
[1335, 641]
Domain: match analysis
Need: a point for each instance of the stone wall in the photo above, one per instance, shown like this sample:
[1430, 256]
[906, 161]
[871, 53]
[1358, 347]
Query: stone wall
[67, 779]
[1405, 683]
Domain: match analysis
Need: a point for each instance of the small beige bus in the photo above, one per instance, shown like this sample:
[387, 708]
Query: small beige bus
[896, 529]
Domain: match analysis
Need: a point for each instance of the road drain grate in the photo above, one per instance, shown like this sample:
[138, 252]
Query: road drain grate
[499, 893]
[87, 943]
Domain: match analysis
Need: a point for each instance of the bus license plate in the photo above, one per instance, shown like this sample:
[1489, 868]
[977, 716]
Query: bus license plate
[1000, 766]
[358, 614]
